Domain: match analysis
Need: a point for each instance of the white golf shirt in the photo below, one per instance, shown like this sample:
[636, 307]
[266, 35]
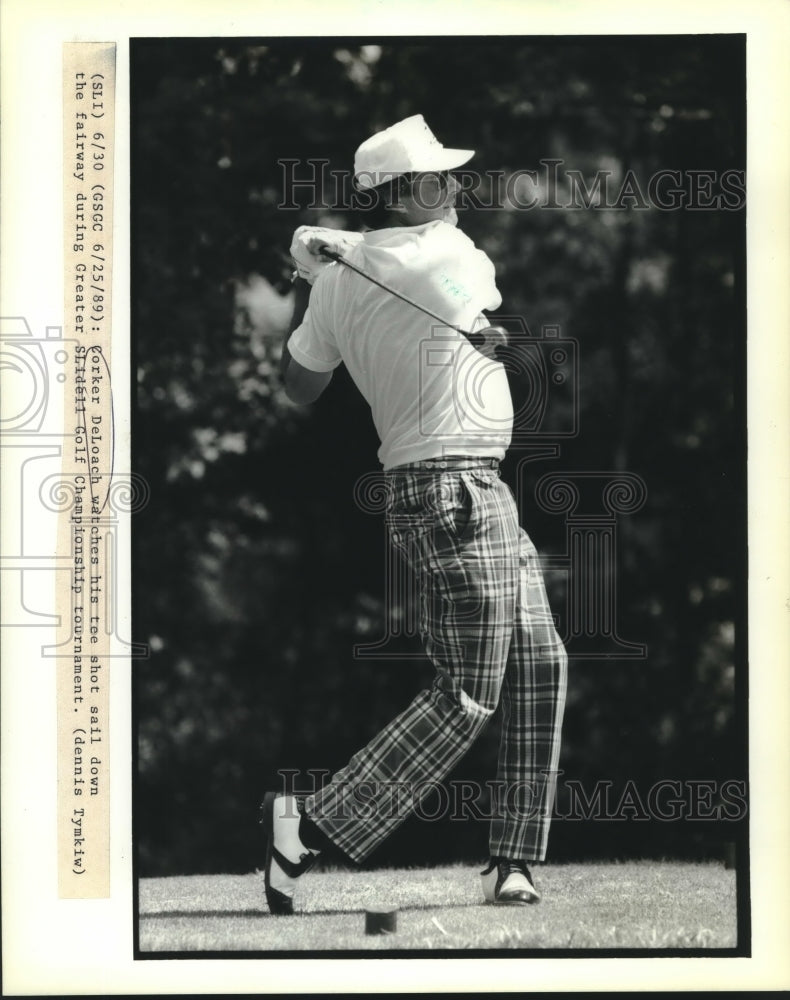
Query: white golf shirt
[430, 392]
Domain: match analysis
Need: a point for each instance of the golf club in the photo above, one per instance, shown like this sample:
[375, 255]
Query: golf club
[487, 341]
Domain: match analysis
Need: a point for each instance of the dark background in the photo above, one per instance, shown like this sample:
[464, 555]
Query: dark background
[255, 573]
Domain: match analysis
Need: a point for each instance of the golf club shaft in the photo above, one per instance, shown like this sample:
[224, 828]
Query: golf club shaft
[474, 338]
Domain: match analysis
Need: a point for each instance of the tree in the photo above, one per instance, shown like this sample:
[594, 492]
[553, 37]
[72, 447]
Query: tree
[255, 574]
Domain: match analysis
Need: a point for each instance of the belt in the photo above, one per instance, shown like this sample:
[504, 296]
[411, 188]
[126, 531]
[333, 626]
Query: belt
[453, 463]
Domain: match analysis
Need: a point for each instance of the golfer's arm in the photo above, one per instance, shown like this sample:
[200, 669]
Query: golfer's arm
[301, 385]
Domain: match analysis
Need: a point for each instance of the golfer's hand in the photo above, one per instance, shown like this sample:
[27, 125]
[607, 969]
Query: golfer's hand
[306, 244]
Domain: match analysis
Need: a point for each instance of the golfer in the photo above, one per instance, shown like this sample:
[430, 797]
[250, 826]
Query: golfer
[444, 417]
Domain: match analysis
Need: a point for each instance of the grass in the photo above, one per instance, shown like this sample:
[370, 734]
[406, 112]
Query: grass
[635, 904]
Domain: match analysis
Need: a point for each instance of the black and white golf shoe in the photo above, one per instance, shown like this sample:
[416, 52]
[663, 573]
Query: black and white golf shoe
[286, 856]
[508, 883]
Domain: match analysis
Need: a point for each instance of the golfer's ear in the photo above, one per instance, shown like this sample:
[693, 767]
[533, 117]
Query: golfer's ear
[303, 386]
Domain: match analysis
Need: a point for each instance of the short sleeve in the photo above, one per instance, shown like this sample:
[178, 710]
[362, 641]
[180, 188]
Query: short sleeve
[467, 273]
[489, 290]
[312, 344]
[480, 277]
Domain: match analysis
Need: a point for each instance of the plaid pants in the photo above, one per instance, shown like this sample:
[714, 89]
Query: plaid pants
[486, 625]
